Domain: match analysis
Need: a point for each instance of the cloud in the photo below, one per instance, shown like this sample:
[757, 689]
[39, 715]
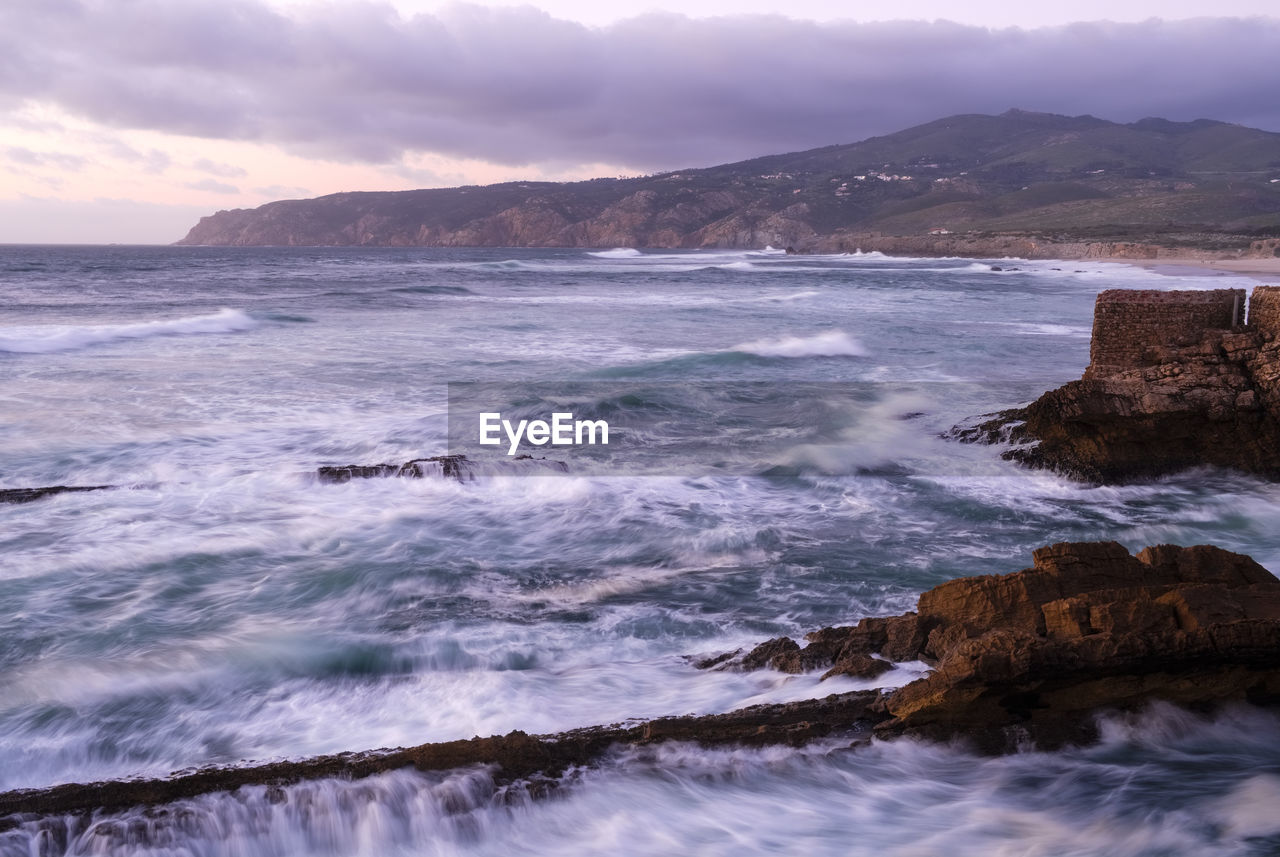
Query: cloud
[357, 82]
[280, 191]
[57, 160]
[214, 168]
[152, 161]
[212, 186]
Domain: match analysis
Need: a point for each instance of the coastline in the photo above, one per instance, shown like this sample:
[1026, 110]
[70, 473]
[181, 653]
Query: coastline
[1258, 269]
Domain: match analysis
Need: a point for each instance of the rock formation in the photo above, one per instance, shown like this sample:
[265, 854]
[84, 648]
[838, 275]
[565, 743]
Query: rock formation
[1029, 656]
[1088, 627]
[514, 756]
[448, 466]
[1175, 380]
[30, 495]
[457, 467]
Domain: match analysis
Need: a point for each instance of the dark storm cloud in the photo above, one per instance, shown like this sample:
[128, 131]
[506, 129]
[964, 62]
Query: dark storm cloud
[358, 82]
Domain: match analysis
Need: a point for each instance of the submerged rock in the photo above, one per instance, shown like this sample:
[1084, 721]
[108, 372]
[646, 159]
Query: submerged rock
[457, 467]
[1175, 380]
[449, 466]
[30, 495]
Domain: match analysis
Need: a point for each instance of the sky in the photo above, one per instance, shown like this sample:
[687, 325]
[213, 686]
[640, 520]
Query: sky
[127, 120]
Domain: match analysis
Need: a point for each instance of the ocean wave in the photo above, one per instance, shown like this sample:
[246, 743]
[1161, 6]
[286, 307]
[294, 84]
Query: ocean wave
[1190, 795]
[617, 253]
[795, 296]
[1043, 329]
[433, 290]
[51, 338]
[829, 343]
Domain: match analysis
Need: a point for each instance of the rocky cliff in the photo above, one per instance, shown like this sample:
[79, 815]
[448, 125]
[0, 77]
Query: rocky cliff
[1027, 184]
[1175, 380]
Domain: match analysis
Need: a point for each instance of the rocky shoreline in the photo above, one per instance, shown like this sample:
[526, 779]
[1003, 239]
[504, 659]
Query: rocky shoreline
[1018, 659]
[999, 245]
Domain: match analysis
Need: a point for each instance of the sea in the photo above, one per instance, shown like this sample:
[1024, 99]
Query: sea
[780, 463]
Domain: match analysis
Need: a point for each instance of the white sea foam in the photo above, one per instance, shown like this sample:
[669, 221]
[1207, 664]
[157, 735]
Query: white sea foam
[796, 296]
[45, 339]
[1250, 809]
[617, 253]
[1044, 329]
[829, 343]
[900, 798]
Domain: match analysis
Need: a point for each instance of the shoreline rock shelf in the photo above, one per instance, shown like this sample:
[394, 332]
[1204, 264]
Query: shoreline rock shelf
[1176, 379]
[1031, 656]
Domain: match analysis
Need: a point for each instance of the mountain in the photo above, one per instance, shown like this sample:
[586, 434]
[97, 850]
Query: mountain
[1017, 177]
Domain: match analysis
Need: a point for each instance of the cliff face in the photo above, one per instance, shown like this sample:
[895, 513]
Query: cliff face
[1175, 380]
[959, 186]
[645, 218]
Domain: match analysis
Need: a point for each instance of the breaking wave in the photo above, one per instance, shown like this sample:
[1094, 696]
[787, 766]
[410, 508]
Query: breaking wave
[829, 343]
[47, 339]
[617, 253]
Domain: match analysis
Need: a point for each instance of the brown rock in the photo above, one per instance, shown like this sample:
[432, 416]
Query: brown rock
[904, 638]
[1175, 380]
[858, 665]
[771, 653]
[1087, 627]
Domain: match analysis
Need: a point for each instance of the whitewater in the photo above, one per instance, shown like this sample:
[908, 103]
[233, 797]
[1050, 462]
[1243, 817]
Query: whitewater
[786, 471]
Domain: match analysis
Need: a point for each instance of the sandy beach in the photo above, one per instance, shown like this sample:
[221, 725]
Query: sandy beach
[1260, 269]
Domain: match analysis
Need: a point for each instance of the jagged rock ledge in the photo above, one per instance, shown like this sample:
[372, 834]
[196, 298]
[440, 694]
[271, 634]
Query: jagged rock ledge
[1031, 656]
[1176, 379]
[457, 467]
[448, 466]
[30, 495]
[514, 756]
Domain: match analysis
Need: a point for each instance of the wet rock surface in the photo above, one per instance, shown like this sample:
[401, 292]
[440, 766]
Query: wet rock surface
[1035, 654]
[448, 466]
[457, 467]
[513, 756]
[30, 495]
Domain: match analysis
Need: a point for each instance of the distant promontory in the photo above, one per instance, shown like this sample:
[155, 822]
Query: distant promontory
[1034, 185]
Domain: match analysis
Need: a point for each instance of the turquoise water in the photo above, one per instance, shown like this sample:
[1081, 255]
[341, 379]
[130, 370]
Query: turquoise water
[225, 605]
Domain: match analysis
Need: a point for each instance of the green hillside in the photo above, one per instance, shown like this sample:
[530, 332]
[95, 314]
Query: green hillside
[1017, 171]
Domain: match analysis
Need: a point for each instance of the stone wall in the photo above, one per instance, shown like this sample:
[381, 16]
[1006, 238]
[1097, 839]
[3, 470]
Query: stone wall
[1264, 310]
[1126, 322]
